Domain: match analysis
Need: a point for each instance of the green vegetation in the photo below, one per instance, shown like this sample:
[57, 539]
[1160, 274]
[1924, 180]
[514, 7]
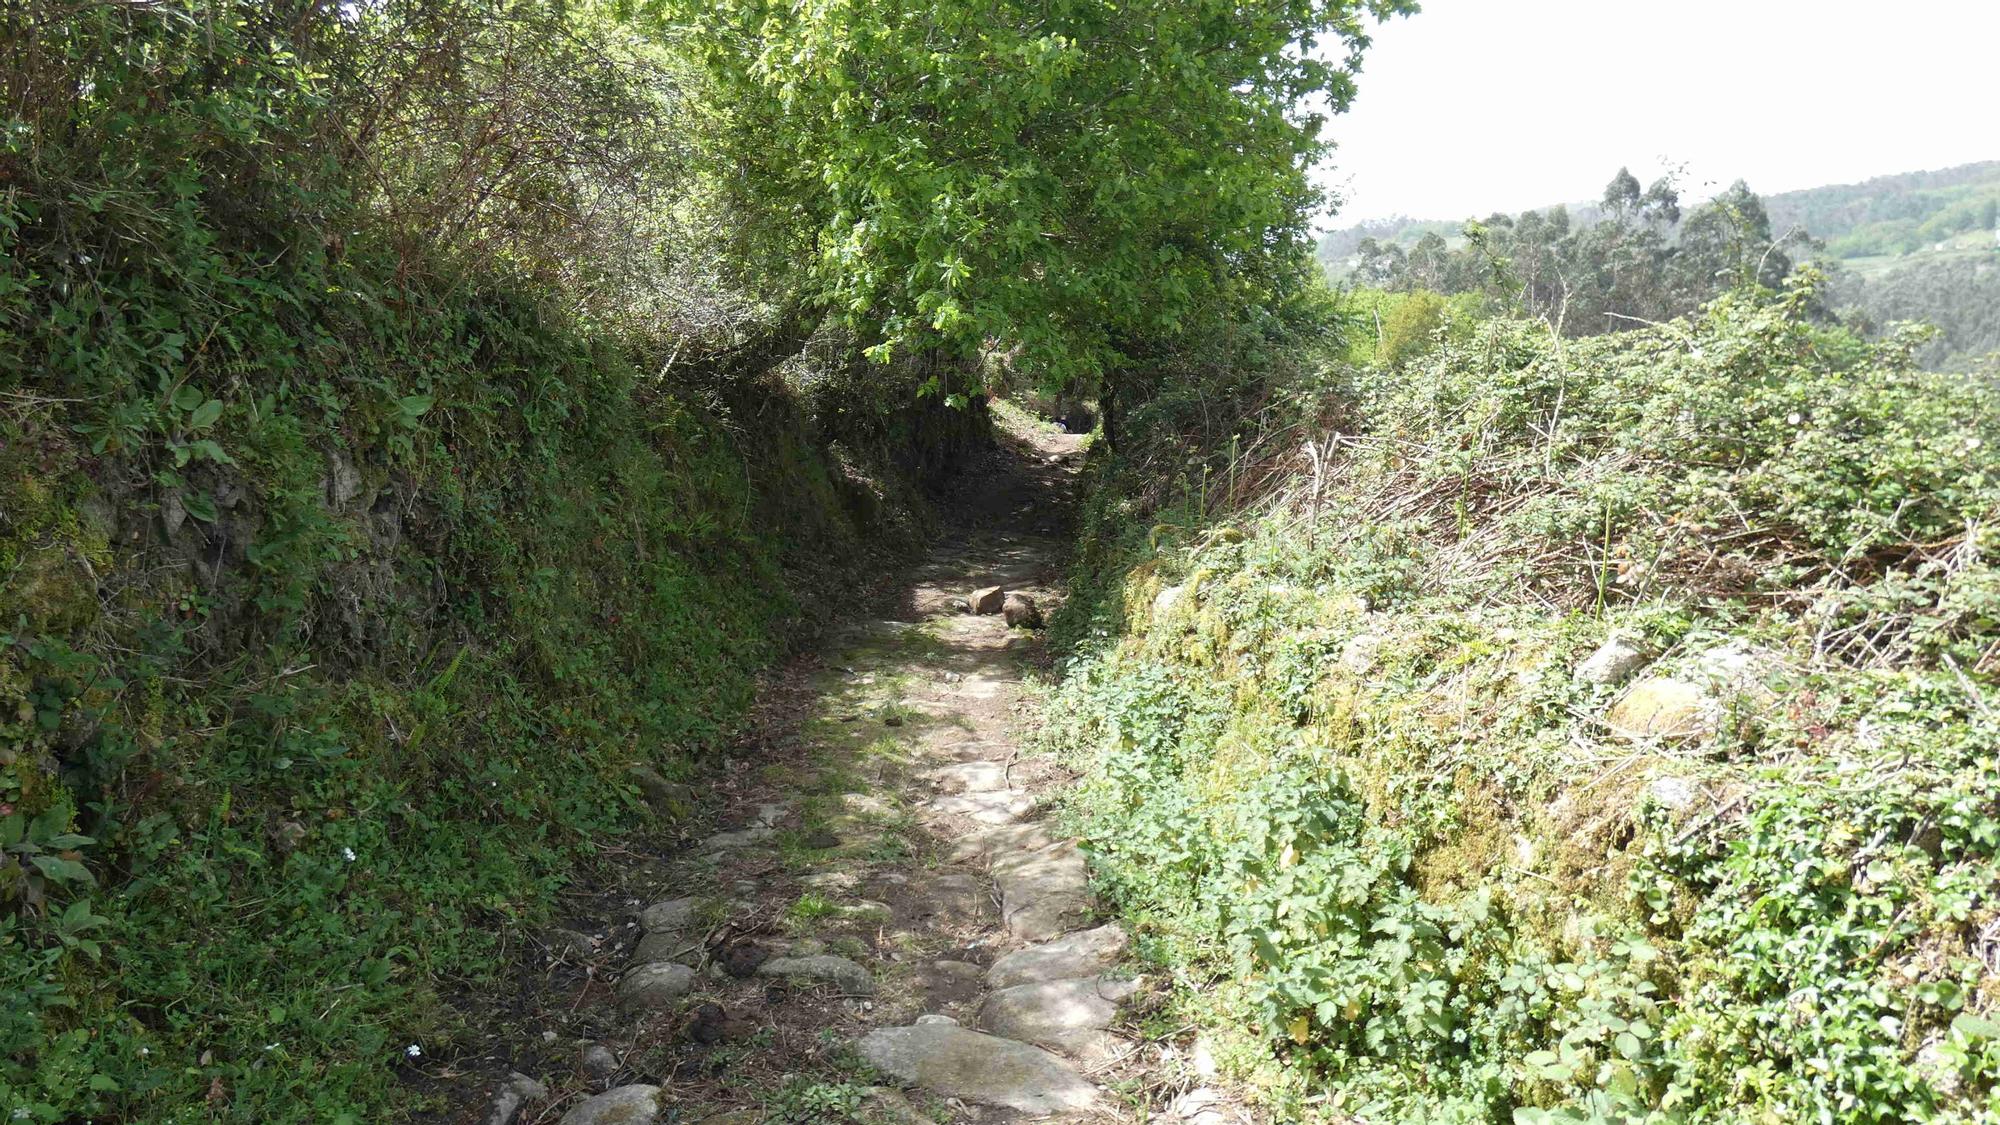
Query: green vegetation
[1413, 856]
[1071, 186]
[370, 547]
[420, 421]
[1918, 247]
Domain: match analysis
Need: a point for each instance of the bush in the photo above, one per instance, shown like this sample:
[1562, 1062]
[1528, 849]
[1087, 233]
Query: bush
[354, 551]
[1340, 764]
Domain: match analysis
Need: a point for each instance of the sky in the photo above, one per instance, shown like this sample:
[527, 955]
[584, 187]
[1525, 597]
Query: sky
[1476, 106]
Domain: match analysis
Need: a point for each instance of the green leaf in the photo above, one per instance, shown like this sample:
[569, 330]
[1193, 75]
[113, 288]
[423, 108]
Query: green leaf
[206, 414]
[60, 870]
[209, 451]
[199, 505]
[187, 398]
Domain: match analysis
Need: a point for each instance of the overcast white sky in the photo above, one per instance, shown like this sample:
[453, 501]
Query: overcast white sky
[1473, 106]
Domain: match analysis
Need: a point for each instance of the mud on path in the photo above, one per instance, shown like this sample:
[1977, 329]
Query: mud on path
[873, 921]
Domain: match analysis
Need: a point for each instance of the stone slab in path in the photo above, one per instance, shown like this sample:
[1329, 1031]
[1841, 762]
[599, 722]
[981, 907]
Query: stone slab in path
[1063, 1015]
[959, 1063]
[1043, 893]
[1081, 954]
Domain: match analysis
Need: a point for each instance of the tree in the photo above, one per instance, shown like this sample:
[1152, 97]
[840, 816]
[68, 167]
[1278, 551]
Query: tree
[1621, 195]
[1063, 180]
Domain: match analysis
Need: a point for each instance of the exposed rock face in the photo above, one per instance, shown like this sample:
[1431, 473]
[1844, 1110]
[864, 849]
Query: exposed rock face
[1085, 953]
[989, 599]
[626, 1105]
[1021, 612]
[958, 1063]
[655, 986]
[1615, 660]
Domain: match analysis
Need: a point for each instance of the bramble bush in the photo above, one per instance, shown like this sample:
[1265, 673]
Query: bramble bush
[1340, 765]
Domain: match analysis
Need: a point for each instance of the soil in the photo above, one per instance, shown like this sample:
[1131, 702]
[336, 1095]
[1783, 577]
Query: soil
[859, 818]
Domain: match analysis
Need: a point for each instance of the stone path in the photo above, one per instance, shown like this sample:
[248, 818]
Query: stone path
[878, 924]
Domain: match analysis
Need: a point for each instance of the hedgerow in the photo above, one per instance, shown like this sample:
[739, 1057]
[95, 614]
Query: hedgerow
[365, 535]
[1344, 761]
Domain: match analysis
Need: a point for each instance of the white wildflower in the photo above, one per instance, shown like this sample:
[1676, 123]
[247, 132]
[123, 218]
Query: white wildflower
[1796, 418]
[413, 1051]
[349, 853]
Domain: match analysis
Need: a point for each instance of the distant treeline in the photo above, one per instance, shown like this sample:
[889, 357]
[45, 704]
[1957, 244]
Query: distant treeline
[1634, 256]
[1642, 259]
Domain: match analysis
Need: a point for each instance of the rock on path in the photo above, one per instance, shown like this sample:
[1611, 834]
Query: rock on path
[626, 1105]
[1043, 893]
[821, 968]
[919, 1003]
[959, 1063]
[1085, 953]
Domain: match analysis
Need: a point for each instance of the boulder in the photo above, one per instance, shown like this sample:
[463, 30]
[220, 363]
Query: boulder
[1085, 953]
[1665, 708]
[1615, 660]
[597, 1060]
[626, 1105]
[821, 968]
[654, 986]
[674, 916]
[955, 1062]
[989, 599]
[1021, 612]
[664, 946]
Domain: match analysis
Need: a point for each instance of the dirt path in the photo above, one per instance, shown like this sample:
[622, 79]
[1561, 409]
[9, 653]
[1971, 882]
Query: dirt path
[879, 926]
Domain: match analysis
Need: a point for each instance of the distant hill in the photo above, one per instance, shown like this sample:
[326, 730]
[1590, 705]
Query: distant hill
[1911, 246]
[1894, 215]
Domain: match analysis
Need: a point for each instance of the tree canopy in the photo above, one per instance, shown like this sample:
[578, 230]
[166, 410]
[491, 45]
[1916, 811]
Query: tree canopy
[1048, 179]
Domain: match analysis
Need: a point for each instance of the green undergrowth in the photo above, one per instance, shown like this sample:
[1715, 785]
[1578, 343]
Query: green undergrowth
[348, 588]
[1409, 859]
